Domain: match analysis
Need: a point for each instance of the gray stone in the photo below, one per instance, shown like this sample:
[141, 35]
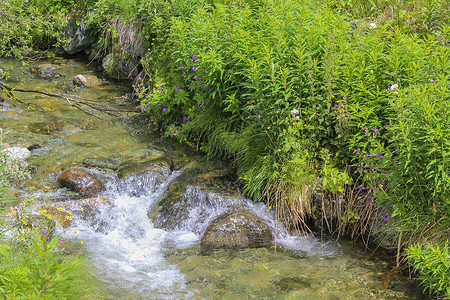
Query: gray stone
[237, 229]
[78, 37]
[17, 153]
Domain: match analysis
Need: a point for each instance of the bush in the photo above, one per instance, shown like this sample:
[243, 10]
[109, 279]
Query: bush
[432, 262]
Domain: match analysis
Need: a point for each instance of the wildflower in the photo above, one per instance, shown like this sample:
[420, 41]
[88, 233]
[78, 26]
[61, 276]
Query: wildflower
[195, 77]
[359, 188]
[49, 217]
[81, 242]
[356, 152]
[376, 130]
[344, 97]
[177, 89]
[22, 238]
[297, 117]
[75, 232]
[69, 211]
[60, 242]
[431, 80]
[372, 26]
[279, 150]
[380, 155]
[14, 213]
[181, 66]
[162, 91]
[367, 154]
[201, 86]
[44, 233]
[268, 127]
[368, 201]
[358, 168]
[384, 218]
[294, 112]
[164, 109]
[59, 209]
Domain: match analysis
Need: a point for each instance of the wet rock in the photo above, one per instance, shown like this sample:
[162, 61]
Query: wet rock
[80, 181]
[17, 153]
[237, 229]
[194, 199]
[34, 146]
[46, 70]
[86, 80]
[78, 37]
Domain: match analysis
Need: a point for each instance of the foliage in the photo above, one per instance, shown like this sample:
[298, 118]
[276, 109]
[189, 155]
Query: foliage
[432, 262]
[25, 25]
[32, 263]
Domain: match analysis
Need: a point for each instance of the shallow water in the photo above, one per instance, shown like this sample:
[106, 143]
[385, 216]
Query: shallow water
[135, 260]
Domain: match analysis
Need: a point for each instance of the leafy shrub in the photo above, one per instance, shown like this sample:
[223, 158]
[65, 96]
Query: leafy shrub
[432, 262]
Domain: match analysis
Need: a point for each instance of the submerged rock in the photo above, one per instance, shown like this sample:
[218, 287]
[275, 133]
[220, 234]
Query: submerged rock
[86, 80]
[237, 229]
[80, 181]
[45, 70]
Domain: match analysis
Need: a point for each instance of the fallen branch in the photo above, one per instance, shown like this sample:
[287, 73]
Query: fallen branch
[72, 100]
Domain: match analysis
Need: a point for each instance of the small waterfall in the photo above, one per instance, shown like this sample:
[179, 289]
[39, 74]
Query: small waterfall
[128, 251]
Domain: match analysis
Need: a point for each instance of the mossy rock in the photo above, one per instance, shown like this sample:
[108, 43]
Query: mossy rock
[237, 229]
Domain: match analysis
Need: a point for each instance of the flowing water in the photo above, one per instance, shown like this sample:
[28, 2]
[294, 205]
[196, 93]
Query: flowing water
[134, 259]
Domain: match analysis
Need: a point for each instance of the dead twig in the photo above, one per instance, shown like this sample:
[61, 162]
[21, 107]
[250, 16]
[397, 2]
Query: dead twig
[75, 101]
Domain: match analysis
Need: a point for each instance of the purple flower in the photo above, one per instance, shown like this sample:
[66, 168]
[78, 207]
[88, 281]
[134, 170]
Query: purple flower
[356, 152]
[209, 90]
[137, 107]
[140, 78]
[44, 233]
[188, 122]
[184, 118]
[368, 201]
[174, 134]
[388, 89]
[358, 168]
[19, 211]
[201, 86]
[380, 155]
[177, 89]
[181, 132]
[60, 242]
[170, 87]
[162, 91]
[384, 218]
[365, 127]
[193, 68]
[164, 109]
[195, 77]
[367, 154]
[181, 66]
[376, 130]
[359, 188]
[344, 97]
[373, 179]
[336, 105]
[431, 80]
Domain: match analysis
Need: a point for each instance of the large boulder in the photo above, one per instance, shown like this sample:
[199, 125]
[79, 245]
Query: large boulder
[78, 37]
[86, 80]
[237, 229]
[80, 181]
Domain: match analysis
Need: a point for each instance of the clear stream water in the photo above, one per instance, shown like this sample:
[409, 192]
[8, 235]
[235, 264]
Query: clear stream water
[135, 260]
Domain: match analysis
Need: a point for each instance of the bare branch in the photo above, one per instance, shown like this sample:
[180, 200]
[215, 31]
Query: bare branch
[73, 100]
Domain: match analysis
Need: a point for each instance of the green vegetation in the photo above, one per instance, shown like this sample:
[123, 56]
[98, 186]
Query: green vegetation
[31, 261]
[300, 99]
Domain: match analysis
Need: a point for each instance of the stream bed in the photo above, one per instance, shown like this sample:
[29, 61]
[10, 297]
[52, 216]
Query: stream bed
[133, 258]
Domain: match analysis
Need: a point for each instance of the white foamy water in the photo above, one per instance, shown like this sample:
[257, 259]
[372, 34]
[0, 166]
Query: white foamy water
[129, 253]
